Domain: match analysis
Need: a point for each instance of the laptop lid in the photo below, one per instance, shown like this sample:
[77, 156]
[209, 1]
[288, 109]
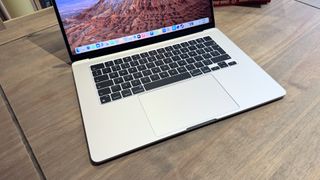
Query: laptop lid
[93, 28]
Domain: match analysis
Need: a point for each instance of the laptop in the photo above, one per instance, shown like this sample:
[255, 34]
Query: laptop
[146, 71]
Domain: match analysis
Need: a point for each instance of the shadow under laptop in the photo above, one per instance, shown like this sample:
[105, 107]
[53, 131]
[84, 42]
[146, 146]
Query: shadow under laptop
[51, 40]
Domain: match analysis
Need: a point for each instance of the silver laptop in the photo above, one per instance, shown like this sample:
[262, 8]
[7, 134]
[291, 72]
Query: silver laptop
[149, 70]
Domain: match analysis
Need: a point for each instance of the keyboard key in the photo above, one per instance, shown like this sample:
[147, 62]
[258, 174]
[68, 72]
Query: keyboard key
[184, 44]
[198, 64]
[161, 50]
[101, 78]
[104, 91]
[118, 80]
[176, 58]
[206, 56]
[177, 46]
[164, 67]
[160, 56]
[127, 59]
[97, 73]
[156, 70]
[136, 57]
[181, 69]
[168, 54]
[192, 53]
[190, 67]
[173, 72]
[190, 60]
[97, 66]
[200, 46]
[192, 48]
[159, 63]
[153, 53]
[220, 58]
[133, 70]
[138, 89]
[215, 68]
[135, 82]
[116, 68]
[151, 59]
[123, 72]
[143, 61]
[205, 69]
[125, 66]
[144, 55]
[222, 64]
[208, 49]
[192, 42]
[151, 65]
[116, 96]
[118, 61]
[104, 84]
[106, 70]
[126, 85]
[200, 40]
[155, 77]
[232, 63]
[176, 52]
[200, 51]
[209, 43]
[218, 48]
[113, 75]
[105, 99]
[164, 74]
[207, 62]
[134, 63]
[116, 88]
[128, 78]
[215, 53]
[126, 93]
[167, 60]
[207, 38]
[109, 63]
[142, 67]
[184, 56]
[146, 73]
[145, 80]
[173, 65]
[169, 48]
[198, 58]
[182, 63]
[195, 72]
[167, 81]
[137, 75]
[184, 50]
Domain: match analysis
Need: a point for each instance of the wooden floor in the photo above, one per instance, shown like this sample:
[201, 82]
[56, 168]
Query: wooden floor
[278, 141]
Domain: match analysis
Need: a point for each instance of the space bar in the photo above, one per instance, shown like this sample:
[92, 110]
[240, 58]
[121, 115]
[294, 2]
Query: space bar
[166, 81]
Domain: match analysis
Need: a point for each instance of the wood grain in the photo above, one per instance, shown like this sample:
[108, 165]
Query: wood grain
[276, 141]
[15, 162]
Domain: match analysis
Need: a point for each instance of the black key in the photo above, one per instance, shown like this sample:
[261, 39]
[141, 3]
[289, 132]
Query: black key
[109, 63]
[166, 81]
[118, 61]
[101, 78]
[105, 99]
[168, 54]
[190, 60]
[151, 65]
[164, 74]
[104, 84]
[128, 78]
[126, 85]
[116, 68]
[208, 49]
[195, 72]
[215, 53]
[113, 75]
[104, 91]
[232, 63]
[205, 69]
[97, 66]
[200, 40]
[116, 88]
[207, 62]
[138, 89]
[173, 72]
[142, 67]
[156, 70]
[190, 67]
[126, 93]
[134, 63]
[192, 48]
[146, 73]
[223, 64]
[207, 38]
[164, 68]
[209, 43]
[215, 68]
[133, 70]
[97, 73]
[151, 59]
[160, 56]
[106, 70]
[173, 65]
[218, 48]
[176, 52]
[161, 50]
[184, 50]
[181, 69]
[200, 51]
[184, 56]
[155, 77]
[198, 64]
[127, 59]
[137, 75]
[169, 48]
[192, 42]
[176, 58]
[145, 80]
[116, 96]
[136, 57]
[177, 46]
[125, 66]
[192, 53]
[220, 58]
[207, 56]
[200, 46]
[159, 63]
[144, 55]
[184, 44]
[135, 82]
[118, 80]
[168, 60]
[182, 63]
[153, 53]
[198, 58]
[143, 61]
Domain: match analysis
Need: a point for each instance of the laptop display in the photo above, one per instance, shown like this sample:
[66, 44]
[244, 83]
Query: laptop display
[95, 24]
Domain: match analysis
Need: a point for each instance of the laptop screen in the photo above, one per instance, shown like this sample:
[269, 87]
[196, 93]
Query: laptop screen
[96, 24]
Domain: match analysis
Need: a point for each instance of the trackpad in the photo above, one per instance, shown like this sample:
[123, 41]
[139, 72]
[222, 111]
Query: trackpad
[177, 107]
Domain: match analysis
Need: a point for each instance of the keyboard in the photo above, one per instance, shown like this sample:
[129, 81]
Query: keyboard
[127, 76]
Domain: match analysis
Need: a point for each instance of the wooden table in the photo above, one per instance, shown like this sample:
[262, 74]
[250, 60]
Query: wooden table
[278, 141]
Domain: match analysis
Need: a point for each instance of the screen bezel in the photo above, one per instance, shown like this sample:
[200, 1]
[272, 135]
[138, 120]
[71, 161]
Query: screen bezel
[131, 45]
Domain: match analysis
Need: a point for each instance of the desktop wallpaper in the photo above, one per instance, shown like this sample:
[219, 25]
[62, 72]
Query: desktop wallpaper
[90, 21]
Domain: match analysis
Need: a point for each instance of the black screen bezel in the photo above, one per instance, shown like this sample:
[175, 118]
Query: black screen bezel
[131, 45]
